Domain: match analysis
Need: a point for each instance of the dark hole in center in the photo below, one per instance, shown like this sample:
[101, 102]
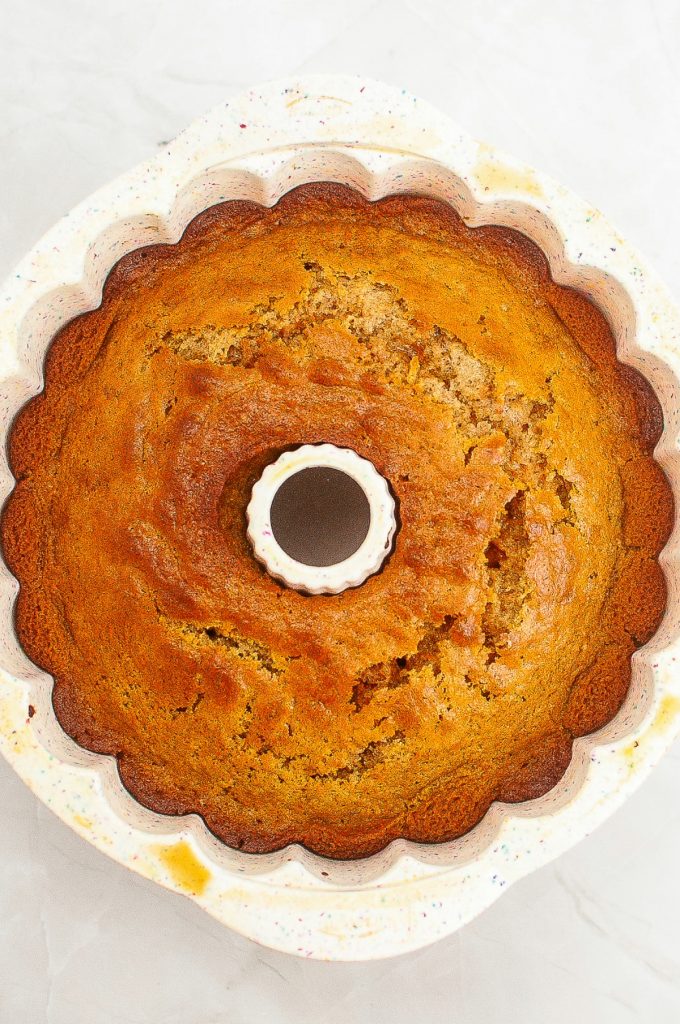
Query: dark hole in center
[320, 516]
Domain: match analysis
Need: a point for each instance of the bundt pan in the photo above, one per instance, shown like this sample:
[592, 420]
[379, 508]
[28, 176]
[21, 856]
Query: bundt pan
[379, 141]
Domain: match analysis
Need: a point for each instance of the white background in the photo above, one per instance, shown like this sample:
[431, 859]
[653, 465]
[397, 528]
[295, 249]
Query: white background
[587, 90]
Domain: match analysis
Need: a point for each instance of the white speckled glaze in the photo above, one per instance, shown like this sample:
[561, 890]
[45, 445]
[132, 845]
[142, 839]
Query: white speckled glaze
[379, 140]
[322, 579]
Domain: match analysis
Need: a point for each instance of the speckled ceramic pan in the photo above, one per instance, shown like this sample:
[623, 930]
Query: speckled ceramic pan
[379, 140]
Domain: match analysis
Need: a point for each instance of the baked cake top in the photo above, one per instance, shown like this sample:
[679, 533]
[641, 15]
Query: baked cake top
[524, 572]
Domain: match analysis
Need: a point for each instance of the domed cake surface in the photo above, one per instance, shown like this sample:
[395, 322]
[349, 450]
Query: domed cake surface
[524, 572]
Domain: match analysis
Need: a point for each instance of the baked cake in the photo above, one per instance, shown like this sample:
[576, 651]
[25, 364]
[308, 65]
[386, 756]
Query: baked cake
[523, 577]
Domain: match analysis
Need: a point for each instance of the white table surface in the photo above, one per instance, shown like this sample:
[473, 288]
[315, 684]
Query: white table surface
[588, 90]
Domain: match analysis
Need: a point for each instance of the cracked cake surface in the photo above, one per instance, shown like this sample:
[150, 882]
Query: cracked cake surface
[524, 573]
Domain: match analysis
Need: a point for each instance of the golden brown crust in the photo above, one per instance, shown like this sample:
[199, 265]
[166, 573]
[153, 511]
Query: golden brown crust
[525, 571]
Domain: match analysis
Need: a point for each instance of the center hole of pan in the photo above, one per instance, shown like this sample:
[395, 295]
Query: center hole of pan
[320, 516]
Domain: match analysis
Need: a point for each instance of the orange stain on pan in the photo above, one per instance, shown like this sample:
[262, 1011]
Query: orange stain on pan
[184, 867]
[668, 709]
[495, 176]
